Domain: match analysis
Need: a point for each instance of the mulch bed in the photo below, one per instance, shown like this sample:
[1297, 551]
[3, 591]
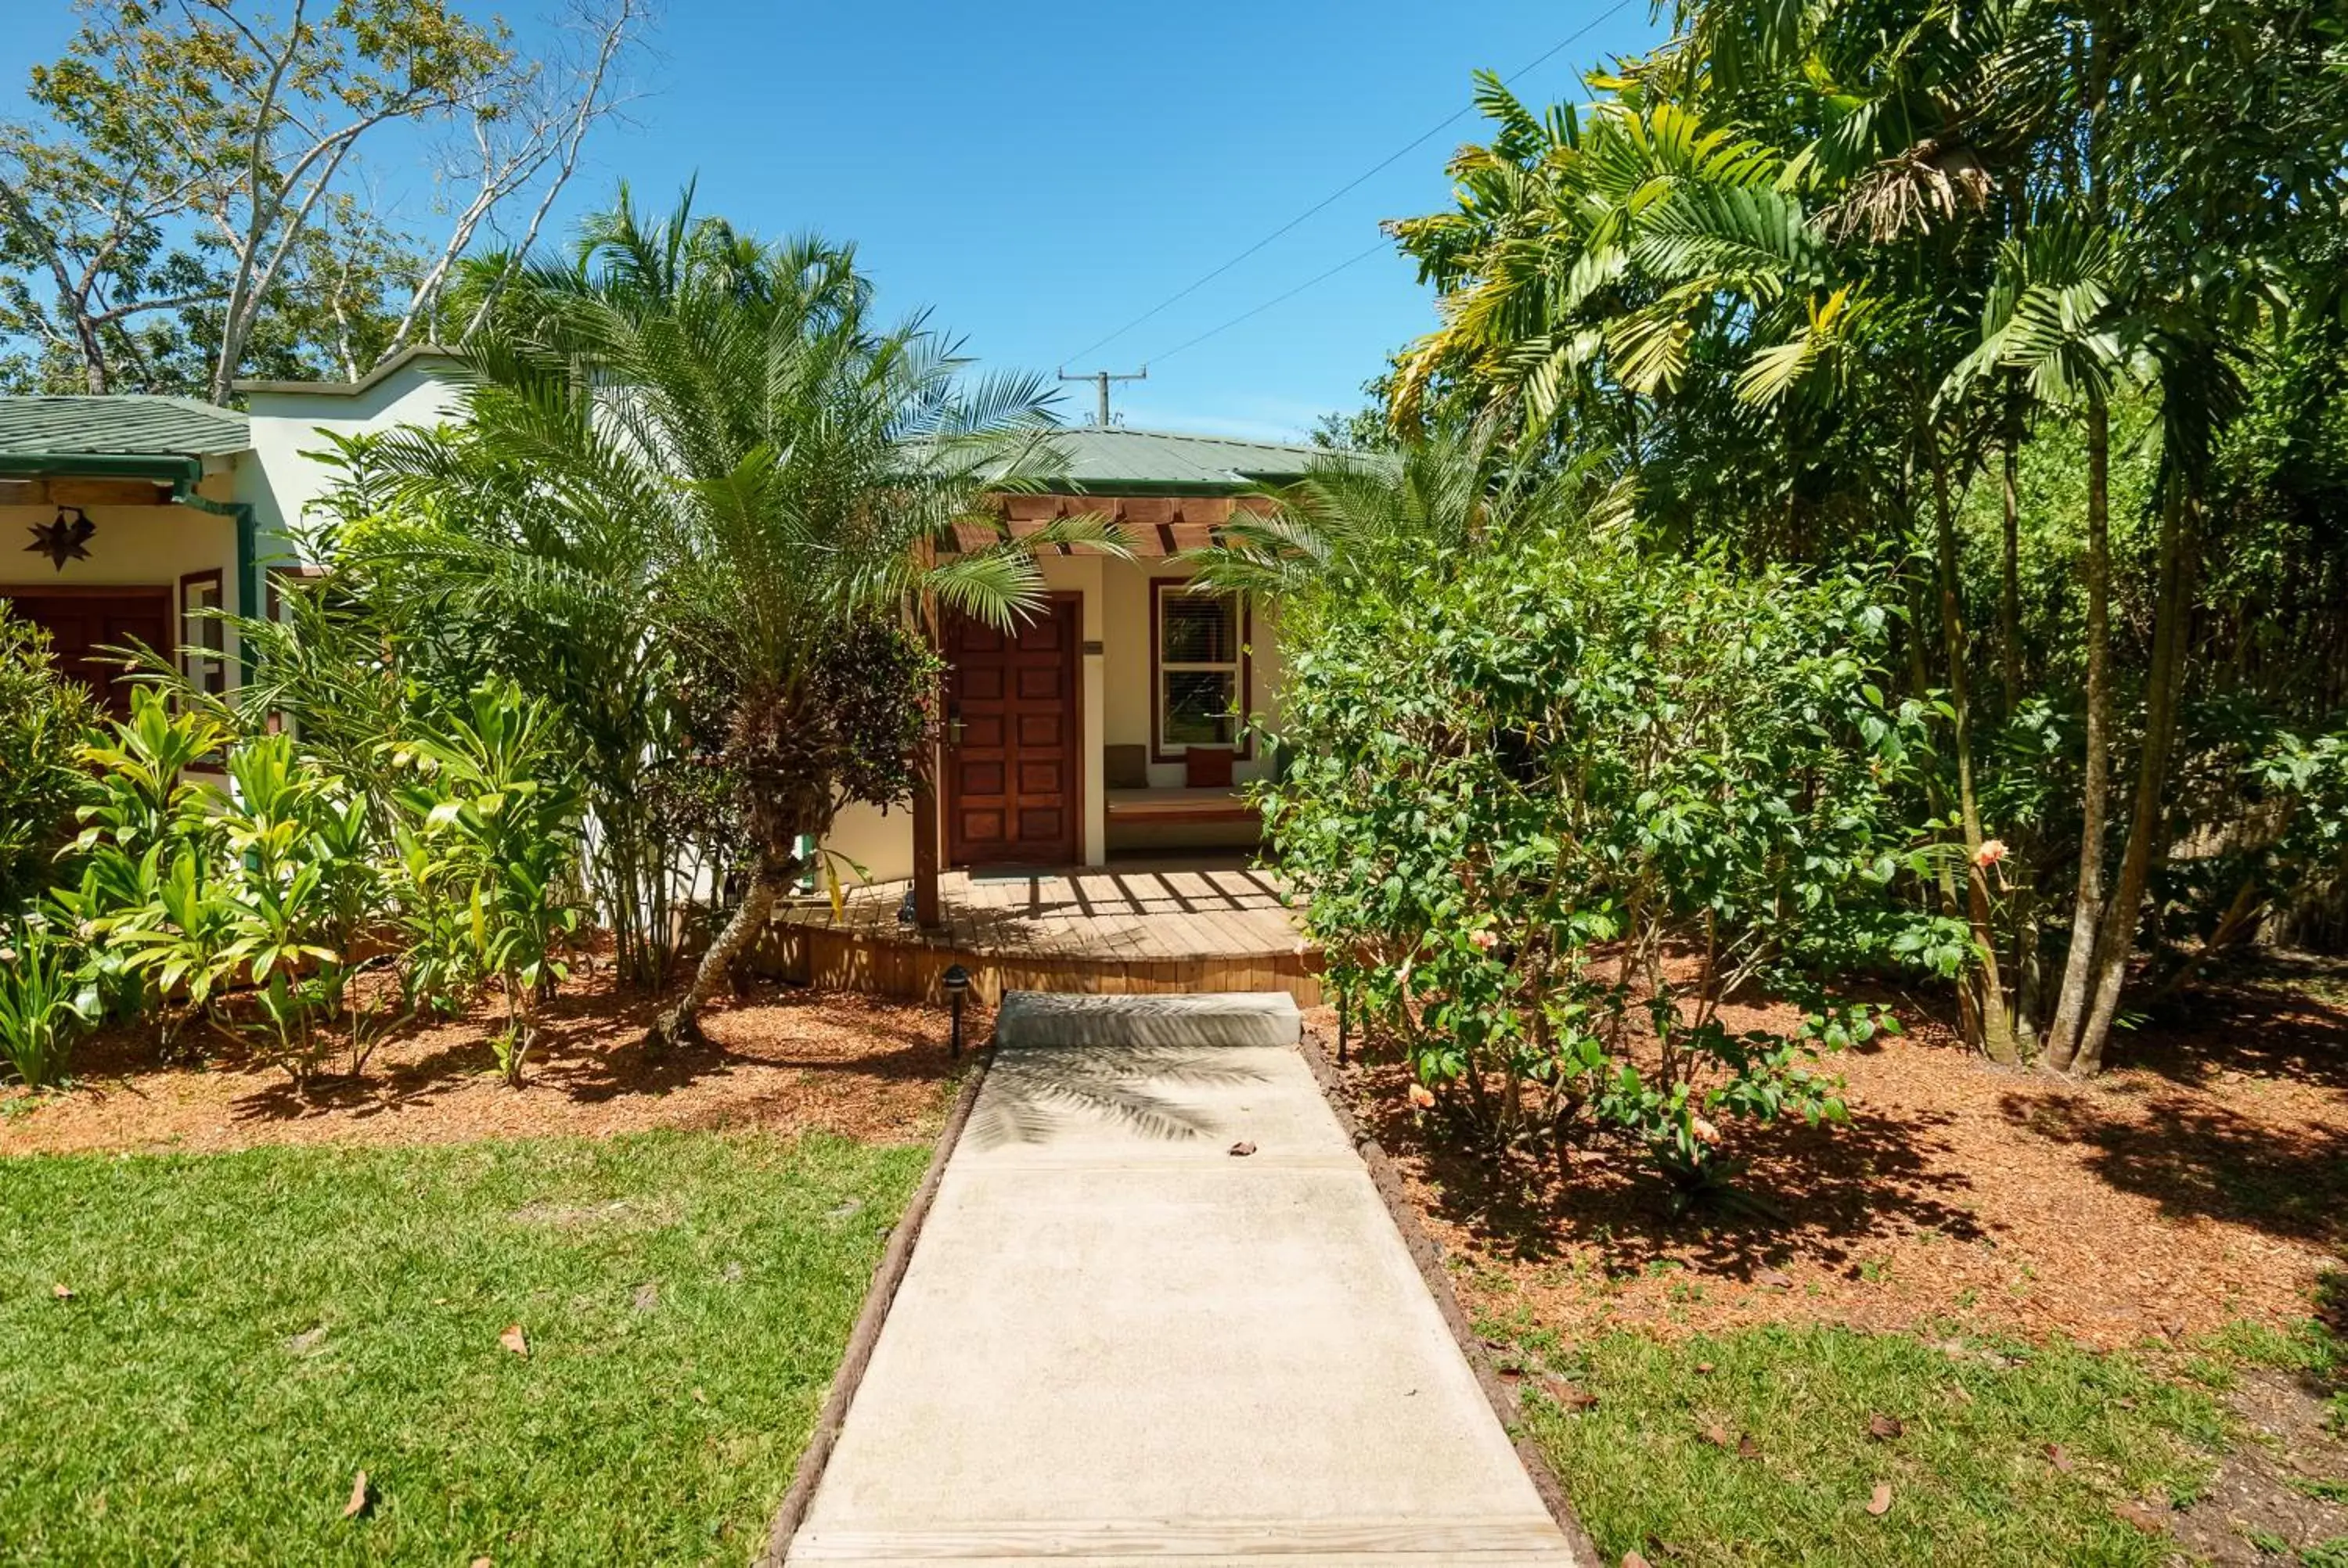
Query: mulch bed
[2202, 1182]
[780, 1059]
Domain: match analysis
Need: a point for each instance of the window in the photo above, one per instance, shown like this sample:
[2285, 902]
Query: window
[1201, 668]
[203, 635]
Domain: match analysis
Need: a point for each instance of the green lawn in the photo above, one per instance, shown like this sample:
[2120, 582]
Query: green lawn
[1971, 1481]
[246, 1331]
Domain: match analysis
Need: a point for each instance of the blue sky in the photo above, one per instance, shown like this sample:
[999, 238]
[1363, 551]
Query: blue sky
[1039, 173]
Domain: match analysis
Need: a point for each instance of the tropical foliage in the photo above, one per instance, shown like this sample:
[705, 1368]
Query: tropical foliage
[715, 551]
[42, 718]
[2037, 304]
[1552, 801]
[279, 913]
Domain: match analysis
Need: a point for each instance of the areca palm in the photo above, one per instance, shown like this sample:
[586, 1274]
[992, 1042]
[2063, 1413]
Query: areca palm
[783, 475]
[1363, 525]
[1598, 253]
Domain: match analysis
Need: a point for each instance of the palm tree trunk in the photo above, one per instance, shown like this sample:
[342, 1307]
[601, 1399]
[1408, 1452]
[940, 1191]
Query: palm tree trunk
[682, 1023]
[2116, 942]
[2061, 1036]
[1987, 1011]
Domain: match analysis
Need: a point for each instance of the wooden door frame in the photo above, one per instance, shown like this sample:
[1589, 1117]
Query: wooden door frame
[1073, 656]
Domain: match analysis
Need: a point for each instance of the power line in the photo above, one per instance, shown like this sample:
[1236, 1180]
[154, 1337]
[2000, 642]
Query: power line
[1357, 183]
[1275, 300]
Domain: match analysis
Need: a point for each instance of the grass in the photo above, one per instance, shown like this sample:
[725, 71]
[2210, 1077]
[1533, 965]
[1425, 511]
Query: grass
[248, 1330]
[1972, 1480]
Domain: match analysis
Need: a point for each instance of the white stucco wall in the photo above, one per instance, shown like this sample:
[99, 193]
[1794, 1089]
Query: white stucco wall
[135, 547]
[276, 477]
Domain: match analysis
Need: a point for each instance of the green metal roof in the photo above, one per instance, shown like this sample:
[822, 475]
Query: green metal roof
[129, 425]
[1118, 460]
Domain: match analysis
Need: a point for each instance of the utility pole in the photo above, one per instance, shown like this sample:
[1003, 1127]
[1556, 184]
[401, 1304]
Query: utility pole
[1101, 378]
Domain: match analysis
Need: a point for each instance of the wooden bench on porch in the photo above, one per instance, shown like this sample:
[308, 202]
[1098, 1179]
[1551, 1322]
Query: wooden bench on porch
[1205, 814]
[1179, 805]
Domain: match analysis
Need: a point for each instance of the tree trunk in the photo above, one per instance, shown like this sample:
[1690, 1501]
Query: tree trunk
[2008, 595]
[1989, 1014]
[682, 1023]
[2116, 942]
[2061, 1036]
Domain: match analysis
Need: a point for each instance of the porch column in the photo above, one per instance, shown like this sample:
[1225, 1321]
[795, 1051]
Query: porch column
[925, 846]
[926, 915]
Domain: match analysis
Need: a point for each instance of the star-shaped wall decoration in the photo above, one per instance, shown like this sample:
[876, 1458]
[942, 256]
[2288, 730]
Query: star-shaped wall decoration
[62, 541]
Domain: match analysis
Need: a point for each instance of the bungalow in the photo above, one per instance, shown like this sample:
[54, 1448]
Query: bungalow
[135, 513]
[1122, 718]
[1117, 721]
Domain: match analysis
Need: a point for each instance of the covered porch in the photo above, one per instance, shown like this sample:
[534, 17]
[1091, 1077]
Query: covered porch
[1170, 925]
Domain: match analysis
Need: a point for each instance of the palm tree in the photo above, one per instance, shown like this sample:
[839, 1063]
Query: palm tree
[795, 480]
[1365, 523]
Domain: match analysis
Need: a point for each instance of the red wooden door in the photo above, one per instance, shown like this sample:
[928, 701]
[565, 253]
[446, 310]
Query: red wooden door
[80, 623]
[1013, 795]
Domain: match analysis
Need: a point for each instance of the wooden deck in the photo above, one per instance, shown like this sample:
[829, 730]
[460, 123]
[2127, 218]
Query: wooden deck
[1168, 926]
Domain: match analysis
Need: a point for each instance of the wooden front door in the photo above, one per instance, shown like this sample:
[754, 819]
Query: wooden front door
[1014, 790]
[80, 621]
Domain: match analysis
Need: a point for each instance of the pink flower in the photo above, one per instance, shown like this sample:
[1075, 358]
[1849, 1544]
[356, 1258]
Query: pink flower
[1992, 851]
[1488, 941]
[1706, 1133]
[1422, 1096]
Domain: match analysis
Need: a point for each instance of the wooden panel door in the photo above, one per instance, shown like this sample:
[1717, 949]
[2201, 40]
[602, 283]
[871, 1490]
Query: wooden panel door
[1013, 791]
[80, 623]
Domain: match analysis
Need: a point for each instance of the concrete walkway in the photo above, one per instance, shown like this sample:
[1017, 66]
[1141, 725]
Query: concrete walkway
[1120, 1343]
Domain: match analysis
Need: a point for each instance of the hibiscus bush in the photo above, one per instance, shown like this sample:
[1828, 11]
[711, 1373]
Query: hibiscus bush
[1551, 803]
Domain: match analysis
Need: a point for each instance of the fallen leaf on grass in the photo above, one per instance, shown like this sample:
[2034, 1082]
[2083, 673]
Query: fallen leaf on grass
[62, 1292]
[1883, 1428]
[301, 1344]
[2058, 1456]
[1881, 1504]
[1633, 1560]
[1242, 1149]
[1961, 1394]
[2151, 1520]
[1702, 1366]
[361, 1496]
[1747, 1448]
[514, 1340]
[1716, 1436]
[481, 1562]
[1571, 1396]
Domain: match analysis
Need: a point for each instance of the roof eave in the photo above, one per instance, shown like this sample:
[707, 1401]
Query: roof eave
[409, 355]
[1169, 487]
[160, 467]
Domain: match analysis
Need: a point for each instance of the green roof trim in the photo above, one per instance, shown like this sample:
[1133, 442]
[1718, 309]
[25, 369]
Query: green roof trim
[79, 435]
[1119, 461]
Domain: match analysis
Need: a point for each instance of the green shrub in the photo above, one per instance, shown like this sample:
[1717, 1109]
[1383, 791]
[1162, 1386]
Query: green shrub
[490, 844]
[258, 909]
[1551, 806]
[43, 719]
[44, 1004]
